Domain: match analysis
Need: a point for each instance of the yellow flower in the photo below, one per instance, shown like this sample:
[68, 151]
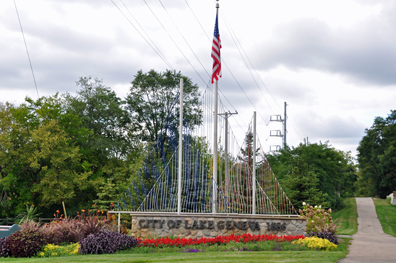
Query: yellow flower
[41, 254]
[316, 243]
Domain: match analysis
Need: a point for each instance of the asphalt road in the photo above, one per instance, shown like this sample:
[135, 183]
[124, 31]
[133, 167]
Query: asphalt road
[370, 243]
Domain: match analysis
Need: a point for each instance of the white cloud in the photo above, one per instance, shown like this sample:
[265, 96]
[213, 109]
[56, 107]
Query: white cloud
[333, 62]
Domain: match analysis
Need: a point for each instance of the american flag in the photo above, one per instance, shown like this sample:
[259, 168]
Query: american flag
[216, 45]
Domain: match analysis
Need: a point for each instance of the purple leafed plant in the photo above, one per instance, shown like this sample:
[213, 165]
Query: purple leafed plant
[277, 248]
[25, 243]
[4, 249]
[326, 235]
[106, 242]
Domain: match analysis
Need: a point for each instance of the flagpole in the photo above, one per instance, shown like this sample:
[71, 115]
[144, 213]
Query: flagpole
[214, 198]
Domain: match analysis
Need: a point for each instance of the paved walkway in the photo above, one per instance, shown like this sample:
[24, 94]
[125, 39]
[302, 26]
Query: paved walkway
[370, 243]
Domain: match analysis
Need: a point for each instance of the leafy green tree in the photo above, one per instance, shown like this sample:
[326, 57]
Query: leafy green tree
[17, 176]
[151, 98]
[59, 163]
[111, 150]
[39, 162]
[334, 170]
[364, 186]
[377, 157]
[103, 114]
[348, 170]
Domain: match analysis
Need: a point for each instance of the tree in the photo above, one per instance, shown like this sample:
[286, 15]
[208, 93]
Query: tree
[103, 114]
[377, 156]
[63, 147]
[246, 158]
[302, 185]
[39, 163]
[151, 98]
[111, 150]
[59, 162]
[334, 170]
[107, 196]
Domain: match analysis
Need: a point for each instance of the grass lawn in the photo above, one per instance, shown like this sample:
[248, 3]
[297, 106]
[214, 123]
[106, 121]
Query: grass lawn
[270, 256]
[346, 218]
[386, 215]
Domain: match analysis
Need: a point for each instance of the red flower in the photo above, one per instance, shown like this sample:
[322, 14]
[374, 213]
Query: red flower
[166, 241]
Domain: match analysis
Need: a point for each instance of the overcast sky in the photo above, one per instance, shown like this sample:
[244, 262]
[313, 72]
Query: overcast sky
[333, 62]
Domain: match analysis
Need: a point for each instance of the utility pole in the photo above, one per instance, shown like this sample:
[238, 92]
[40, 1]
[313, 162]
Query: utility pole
[254, 166]
[226, 172]
[284, 127]
[180, 168]
[278, 133]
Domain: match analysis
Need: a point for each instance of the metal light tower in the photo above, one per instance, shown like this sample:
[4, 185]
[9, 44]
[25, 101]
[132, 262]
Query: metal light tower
[278, 133]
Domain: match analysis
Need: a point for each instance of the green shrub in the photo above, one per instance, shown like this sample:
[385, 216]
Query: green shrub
[318, 220]
[31, 214]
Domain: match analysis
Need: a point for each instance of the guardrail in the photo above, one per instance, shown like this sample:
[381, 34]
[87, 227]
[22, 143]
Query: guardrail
[10, 221]
[5, 231]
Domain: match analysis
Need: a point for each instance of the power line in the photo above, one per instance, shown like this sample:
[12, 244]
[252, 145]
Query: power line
[197, 20]
[190, 46]
[27, 51]
[224, 62]
[262, 60]
[232, 34]
[174, 41]
[137, 22]
[170, 17]
[163, 58]
[159, 53]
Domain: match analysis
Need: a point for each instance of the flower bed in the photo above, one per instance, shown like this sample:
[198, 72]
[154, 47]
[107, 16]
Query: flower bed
[113, 242]
[52, 250]
[316, 243]
[233, 242]
[181, 242]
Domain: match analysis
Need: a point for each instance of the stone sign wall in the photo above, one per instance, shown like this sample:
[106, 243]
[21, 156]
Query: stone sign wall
[196, 226]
